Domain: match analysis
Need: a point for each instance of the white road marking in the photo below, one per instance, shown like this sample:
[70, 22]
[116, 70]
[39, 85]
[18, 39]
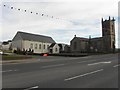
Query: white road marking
[117, 65]
[107, 62]
[83, 57]
[83, 75]
[53, 65]
[79, 57]
[86, 61]
[99, 63]
[32, 88]
[9, 71]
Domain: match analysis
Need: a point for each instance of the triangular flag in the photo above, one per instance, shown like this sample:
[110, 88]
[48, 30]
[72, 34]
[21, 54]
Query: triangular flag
[11, 7]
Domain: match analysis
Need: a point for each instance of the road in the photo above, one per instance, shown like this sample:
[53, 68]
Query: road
[96, 71]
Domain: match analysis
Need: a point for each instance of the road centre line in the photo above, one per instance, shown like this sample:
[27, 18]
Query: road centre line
[32, 88]
[81, 57]
[71, 78]
[99, 63]
[53, 65]
[63, 64]
[9, 71]
[86, 61]
[117, 65]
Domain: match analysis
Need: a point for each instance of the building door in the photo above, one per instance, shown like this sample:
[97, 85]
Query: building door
[113, 46]
[51, 51]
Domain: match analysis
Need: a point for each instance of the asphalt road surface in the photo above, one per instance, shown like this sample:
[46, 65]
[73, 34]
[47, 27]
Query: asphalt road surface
[96, 71]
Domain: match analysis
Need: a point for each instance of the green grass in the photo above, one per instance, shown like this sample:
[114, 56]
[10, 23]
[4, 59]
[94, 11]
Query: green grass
[15, 57]
[7, 51]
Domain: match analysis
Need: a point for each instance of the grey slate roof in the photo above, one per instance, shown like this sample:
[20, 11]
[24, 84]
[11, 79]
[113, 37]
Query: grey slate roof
[81, 38]
[35, 37]
[60, 45]
[52, 45]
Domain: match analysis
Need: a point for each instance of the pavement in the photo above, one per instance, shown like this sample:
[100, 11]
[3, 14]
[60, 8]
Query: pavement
[96, 71]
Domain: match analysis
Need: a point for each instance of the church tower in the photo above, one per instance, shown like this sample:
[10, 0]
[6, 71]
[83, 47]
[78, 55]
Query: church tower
[108, 34]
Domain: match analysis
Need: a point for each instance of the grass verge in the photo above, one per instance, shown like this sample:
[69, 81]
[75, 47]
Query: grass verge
[15, 57]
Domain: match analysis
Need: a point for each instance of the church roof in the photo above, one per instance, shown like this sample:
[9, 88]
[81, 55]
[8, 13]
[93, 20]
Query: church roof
[35, 37]
[52, 45]
[97, 38]
[81, 38]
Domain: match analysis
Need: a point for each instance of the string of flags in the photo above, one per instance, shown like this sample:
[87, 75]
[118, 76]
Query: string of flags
[25, 10]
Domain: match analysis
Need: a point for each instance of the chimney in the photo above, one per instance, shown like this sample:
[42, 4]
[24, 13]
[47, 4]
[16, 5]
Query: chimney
[74, 35]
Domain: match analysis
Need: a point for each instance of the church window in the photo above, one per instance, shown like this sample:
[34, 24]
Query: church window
[44, 46]
[39, 46]
[56, 49]
[35, 46]
[31, 46]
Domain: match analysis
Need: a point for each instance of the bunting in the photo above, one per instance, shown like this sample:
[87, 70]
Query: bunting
[27, 11]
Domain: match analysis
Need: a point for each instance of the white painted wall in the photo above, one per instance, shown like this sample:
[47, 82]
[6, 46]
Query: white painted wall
[27, 45]
[7, 46]
[54, 48]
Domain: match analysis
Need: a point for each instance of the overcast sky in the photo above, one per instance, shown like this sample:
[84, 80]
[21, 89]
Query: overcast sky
[76, 17]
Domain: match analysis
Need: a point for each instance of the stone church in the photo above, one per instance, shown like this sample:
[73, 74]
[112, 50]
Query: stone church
[106, 43]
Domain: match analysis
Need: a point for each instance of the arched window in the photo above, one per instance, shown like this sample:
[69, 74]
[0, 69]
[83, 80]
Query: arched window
[35, 46]
[44, 46]
[39, 46]
[31, 46]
